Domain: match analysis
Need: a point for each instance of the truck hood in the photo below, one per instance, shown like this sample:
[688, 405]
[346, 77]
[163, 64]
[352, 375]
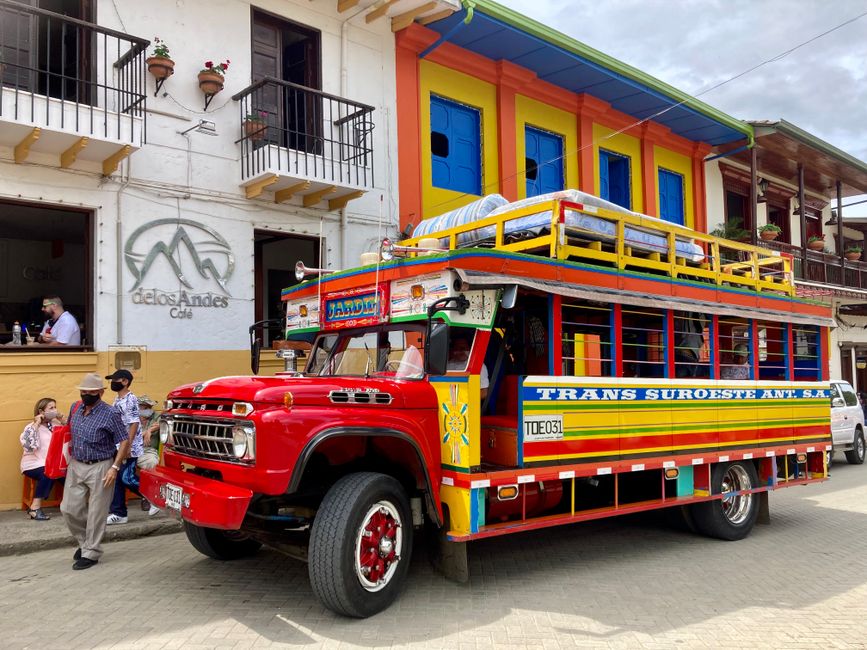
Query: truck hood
[312, 391]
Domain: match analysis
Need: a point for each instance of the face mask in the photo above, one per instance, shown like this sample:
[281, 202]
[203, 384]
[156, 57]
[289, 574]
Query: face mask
[89, 400]
[117, 386]
[51, 414]
[146, 413]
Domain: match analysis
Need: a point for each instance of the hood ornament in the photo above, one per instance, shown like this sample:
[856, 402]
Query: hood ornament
[198, 389]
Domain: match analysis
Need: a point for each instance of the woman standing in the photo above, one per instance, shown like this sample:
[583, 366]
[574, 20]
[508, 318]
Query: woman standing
[35, 441]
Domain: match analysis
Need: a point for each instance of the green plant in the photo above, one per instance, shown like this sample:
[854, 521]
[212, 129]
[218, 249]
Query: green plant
[219, 68]
[258, 116]
[853, 249]
[816, 238]
[160, 48]
[730, 229]
[770, 227]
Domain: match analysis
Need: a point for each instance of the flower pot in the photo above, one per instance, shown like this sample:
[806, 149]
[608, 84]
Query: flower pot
[853, 257]
[816, 245]
[160, 67]
[768, 235]
[255, 129]
[210, 83]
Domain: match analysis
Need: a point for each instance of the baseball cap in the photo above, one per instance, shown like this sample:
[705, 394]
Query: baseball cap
[120, 374]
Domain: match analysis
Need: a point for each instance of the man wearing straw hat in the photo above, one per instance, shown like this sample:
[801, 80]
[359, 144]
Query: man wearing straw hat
[94, 462]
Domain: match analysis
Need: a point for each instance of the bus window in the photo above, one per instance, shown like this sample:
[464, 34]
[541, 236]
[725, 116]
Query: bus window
[735, 343]
[587, 339]
[773, 341]
[643, 342]
[806, 342]
[692, 345]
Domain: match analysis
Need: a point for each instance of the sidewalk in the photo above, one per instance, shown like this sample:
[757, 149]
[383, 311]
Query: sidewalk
[19, 534]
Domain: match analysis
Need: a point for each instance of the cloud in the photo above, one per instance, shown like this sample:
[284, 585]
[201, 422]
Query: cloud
[695, 44]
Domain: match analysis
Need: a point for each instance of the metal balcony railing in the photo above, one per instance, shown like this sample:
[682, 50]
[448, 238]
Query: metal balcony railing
[63, 73]
[303, 132]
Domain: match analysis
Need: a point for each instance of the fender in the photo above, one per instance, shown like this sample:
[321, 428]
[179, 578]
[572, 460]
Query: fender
[336, 432]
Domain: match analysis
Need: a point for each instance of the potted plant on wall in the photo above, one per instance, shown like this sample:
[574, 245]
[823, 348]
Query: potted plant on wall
[816, 242]
[160, 64]
[853, 253]
[769, 231]
[254, 125]
[212, 77]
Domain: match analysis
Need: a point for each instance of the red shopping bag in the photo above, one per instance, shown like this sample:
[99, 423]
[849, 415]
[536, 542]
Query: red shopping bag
[57, 459]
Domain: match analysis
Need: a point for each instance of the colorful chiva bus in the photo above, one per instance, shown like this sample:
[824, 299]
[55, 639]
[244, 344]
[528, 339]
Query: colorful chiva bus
[555, 361]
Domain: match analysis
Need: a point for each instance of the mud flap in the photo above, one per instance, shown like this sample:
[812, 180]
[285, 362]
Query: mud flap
[764, 509]
[448, 558]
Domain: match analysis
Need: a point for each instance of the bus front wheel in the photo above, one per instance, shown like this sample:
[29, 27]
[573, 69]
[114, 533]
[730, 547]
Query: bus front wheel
[733, 516]
[361, 544]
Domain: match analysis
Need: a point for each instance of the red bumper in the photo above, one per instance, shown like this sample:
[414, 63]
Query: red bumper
[203, 501]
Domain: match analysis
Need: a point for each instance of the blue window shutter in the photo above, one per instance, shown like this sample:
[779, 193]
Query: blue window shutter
[458, 166]
[551, 162]
[604, 191]
[671, 207]
[532, 156]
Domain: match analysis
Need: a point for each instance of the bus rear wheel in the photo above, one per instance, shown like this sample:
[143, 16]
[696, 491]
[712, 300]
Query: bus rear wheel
[361, 544]
[220, 544]
[733, 516]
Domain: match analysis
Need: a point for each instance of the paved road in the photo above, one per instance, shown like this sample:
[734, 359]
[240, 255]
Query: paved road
[800, 582]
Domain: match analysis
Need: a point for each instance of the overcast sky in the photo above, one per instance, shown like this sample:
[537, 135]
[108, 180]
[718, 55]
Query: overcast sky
[695, 44]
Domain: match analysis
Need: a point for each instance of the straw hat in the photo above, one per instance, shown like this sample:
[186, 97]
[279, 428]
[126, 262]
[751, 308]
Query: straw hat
[91, 381]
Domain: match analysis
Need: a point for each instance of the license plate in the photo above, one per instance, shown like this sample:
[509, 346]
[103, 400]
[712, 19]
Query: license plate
[174, 496]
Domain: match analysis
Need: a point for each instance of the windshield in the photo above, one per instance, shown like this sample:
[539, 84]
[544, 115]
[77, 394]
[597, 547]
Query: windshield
[387, 351]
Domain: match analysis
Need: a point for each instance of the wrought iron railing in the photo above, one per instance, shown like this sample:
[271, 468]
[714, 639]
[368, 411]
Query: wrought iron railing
[823, 268]
[306, 132]
[64, 73]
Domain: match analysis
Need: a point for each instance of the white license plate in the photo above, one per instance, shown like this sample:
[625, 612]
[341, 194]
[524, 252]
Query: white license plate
[174, 496]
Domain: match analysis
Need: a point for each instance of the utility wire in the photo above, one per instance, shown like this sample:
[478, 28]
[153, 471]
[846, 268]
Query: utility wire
[593, 143]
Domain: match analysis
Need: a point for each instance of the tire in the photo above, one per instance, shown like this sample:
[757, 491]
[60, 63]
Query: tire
[856, 456]
[729, 518]
[220, 544]
[342, 581]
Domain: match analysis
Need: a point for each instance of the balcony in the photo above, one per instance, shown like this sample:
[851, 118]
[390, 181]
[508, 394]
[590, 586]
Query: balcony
[301, 142]
[69, 88]
[823, 268]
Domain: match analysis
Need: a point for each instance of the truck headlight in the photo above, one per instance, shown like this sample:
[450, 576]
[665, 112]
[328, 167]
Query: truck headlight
[165, 431]
[243, 444]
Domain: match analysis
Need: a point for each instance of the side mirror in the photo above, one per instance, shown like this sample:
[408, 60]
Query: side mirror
[510, 296]
[255, 347]
[437, 344]
[837, 401]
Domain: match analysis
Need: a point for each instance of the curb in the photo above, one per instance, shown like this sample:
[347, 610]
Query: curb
[162, 526]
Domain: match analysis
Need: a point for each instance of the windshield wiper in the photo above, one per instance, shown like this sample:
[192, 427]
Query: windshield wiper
[369, 359]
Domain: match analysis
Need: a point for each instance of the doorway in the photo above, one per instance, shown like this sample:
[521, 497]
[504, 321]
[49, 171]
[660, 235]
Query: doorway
[274, 268]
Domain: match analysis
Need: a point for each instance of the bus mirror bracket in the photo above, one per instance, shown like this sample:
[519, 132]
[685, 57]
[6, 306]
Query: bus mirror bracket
[256, 342]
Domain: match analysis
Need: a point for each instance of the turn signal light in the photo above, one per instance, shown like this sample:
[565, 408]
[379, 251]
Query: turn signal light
[288, 400]
[242, 408]
[507, 492]
[671, 473]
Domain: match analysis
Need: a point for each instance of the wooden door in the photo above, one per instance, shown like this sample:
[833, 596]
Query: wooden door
[18, 48]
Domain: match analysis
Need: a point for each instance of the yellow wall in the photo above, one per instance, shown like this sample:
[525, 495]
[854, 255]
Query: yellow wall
[625, 145]
[26, 377]
[533, 113]
[675, 162]
[467, 90]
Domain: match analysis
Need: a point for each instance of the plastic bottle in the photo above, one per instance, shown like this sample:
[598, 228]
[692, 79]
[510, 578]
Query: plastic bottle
[16, 333]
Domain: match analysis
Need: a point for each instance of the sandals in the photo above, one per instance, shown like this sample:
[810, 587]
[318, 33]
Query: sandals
[37, 514]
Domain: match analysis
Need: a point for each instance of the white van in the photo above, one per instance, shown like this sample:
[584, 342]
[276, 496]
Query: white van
[847, 422]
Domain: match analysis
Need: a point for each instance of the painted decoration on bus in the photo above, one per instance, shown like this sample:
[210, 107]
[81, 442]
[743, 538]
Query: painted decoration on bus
[412, 297]
[593, 419]
[302, 314]
[354, 307]
[459, 423]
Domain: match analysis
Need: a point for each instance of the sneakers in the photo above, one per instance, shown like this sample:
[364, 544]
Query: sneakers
[83, 563]
[115, 519]
[153, 510]
[145, 505]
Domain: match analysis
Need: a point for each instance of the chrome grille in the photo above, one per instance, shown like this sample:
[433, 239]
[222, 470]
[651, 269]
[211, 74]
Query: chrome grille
[205, 438]
[359, 397]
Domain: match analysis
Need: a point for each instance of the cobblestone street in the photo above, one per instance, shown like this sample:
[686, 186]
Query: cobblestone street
[800, 582]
